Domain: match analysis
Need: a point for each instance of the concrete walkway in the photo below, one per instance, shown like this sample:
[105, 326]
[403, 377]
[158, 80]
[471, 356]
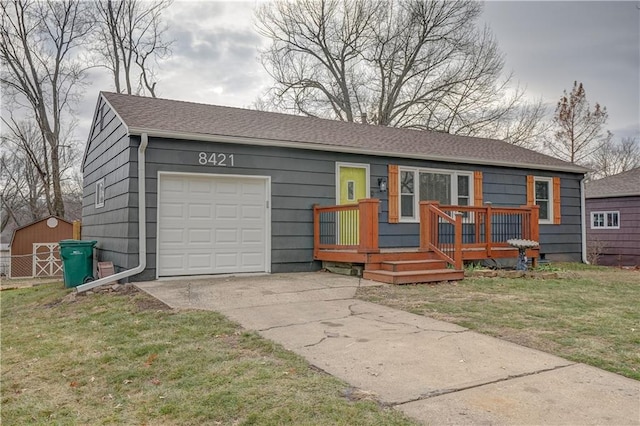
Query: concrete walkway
[435, 372]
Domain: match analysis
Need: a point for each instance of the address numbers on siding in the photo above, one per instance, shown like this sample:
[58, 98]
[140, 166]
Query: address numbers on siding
[218, 159]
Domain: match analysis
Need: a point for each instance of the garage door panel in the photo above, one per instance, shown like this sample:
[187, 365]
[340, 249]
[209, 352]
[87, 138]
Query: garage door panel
[252, 211]
[199, 211]
[226, 211]
[252, 236]
[255, 260]
[226, 236]
[227, 187]
[172, 261]
[199, 261]
[172, 210]
[172, 236]
[200, 236]
[212, 224]
[252, 189]
[173, 185]
[199, 186]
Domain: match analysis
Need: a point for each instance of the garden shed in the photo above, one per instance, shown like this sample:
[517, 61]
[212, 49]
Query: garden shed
[176, 188]
[34, 248]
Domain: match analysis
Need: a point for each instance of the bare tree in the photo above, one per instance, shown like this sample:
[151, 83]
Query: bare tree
[21, 175]
[24, 172]
[613, 158]
[411, 63]
[41, 74]
[130, 40]
[578, 130]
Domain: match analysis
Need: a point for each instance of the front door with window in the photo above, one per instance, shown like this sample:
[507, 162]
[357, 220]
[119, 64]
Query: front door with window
[352, 186]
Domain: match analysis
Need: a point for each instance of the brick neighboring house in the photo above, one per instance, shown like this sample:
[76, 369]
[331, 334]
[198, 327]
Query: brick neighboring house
[613, 212]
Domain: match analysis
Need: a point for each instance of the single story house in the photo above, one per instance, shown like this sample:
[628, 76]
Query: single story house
[613, 212]
[34, 247]
[229, 190]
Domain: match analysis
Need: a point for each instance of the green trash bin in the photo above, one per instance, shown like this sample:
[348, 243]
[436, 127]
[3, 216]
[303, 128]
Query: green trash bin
[77, 261]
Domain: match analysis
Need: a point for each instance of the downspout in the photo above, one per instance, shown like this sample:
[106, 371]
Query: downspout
[583, 226]
[142, 226]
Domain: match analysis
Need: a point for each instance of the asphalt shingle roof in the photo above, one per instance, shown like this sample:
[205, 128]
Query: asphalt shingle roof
[180, 119]
[625, 184]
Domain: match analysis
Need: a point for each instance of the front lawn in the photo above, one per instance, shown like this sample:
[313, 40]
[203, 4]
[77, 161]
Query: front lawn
[589, 314]
[124, 358]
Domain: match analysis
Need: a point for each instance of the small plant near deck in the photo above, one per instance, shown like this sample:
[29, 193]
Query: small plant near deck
[547, 267]
[473, 266]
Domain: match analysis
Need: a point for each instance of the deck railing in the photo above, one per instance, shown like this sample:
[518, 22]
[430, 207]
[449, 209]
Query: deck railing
[484, 227]
[442, 233]
[447, 230]
[347, 227]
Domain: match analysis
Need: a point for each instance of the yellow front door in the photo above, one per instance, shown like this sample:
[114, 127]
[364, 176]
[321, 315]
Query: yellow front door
[353, 187]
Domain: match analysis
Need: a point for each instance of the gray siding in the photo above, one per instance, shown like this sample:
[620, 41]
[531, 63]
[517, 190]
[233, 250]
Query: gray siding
[616, 246]
[299, 179]
[302, 178]
[108, 156]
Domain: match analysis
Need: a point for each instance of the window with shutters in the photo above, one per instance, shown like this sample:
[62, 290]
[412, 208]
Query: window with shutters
[448, 187]
[543, 193]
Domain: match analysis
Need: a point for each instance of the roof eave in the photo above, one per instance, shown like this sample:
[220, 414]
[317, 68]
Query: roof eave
[619, 195]
[350, 150]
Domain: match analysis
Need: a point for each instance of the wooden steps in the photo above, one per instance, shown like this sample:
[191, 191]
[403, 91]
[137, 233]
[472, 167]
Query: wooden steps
[411, 271]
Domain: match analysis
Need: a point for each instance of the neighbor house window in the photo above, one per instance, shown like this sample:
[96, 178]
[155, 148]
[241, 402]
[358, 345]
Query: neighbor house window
[605, 220]
[448, 187]
[100, 193]
[543, 192]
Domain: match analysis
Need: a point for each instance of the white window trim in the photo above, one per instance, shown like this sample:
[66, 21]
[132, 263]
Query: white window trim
[99, 193]
[416, 190]
[549, 220]
[605, 213]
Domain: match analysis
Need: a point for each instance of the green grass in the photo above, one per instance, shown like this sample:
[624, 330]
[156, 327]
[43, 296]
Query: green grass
[589, 315]
[114, 358]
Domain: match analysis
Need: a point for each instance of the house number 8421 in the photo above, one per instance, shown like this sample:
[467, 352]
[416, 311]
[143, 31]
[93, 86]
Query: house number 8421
[215, 159]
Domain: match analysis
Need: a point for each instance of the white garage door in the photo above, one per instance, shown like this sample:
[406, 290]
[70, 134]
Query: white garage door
[212, 225]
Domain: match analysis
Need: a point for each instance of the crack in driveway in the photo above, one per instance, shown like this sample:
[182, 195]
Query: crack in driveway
[441, 392]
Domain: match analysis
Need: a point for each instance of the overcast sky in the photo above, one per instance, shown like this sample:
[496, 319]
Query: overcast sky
[547, 45]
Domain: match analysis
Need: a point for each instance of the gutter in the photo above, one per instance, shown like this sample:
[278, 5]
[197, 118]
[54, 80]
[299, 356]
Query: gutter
[142, 226]
[583, 227]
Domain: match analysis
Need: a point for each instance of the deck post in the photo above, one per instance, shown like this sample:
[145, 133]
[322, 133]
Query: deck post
[368, 210]
[487, 228]
[316, 231]
[535, 225]
[425, 226]
[458, 242]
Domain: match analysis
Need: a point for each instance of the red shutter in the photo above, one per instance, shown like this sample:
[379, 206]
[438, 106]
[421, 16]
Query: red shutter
[557, 216]
[392, 194]
[477, 189]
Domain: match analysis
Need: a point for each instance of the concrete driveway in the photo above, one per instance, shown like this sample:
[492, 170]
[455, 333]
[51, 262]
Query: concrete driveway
[436, 372]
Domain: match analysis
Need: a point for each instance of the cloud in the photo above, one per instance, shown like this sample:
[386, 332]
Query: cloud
[215, 54]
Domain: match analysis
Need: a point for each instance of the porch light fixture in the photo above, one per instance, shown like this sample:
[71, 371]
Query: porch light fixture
[382, 184]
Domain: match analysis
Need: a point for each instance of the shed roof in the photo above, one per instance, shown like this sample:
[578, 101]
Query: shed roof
[35, 222]
[625, 184]
[188, 120]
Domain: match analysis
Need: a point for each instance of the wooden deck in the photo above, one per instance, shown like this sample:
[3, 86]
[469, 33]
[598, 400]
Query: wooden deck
[449, 236]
